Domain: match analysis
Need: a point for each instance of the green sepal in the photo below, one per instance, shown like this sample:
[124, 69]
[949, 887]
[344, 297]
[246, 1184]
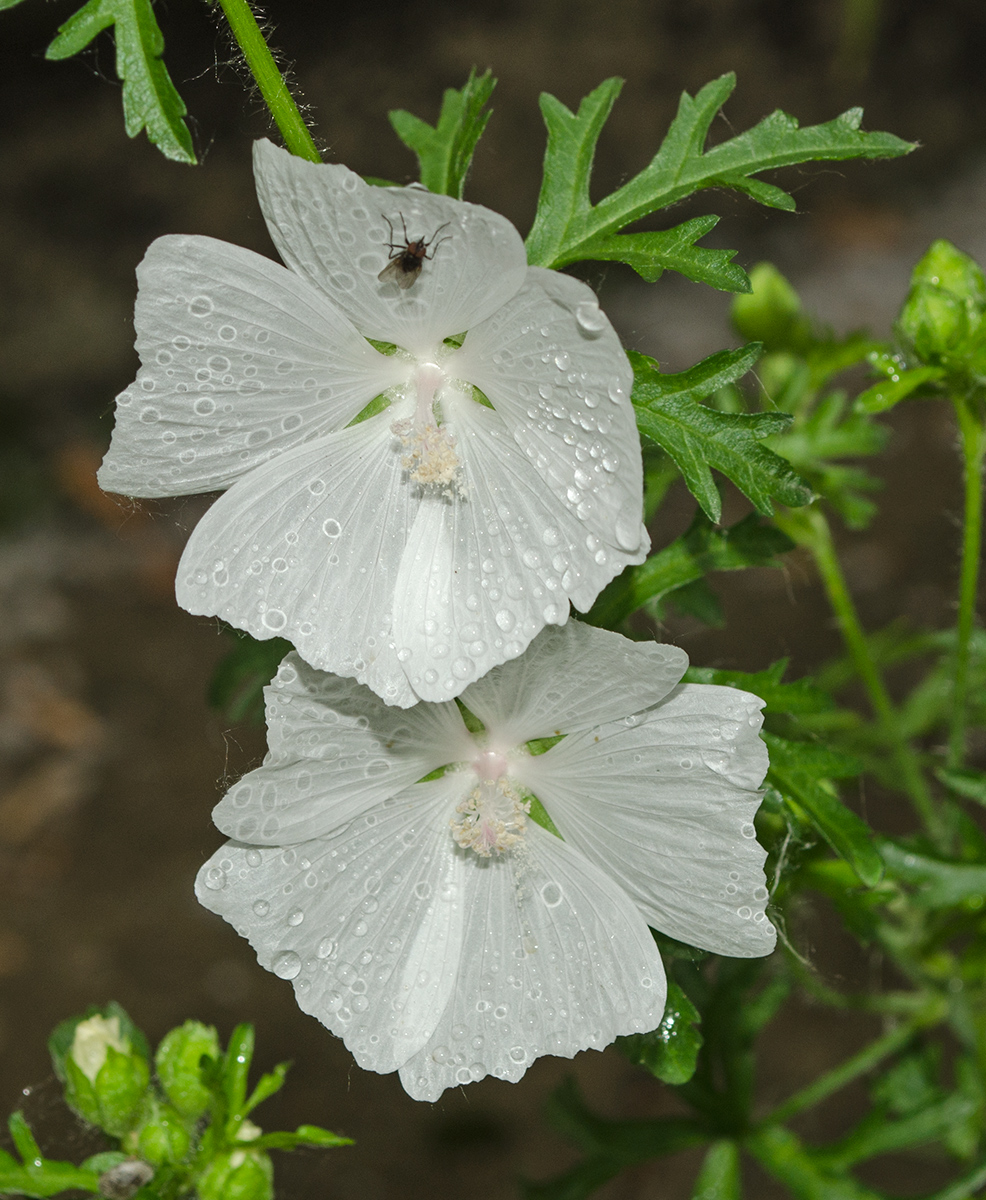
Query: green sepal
[162, 1135]
[150, 99]
[80, 1093]
[445, 150]
[702, 548]
[178, 1064]
[236, 689]
[719, 1177]
[240, 1173]
[699, 438]
[801, 772]
[304, 1135]
[669, 1052]
[884, 395]
[120, 1086]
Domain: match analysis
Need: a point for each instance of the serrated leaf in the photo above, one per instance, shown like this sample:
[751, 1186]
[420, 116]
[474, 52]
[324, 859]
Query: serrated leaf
[445, 150]
[938, 884]
[799, 696]
[719, 1178]
[670, 1051]
[885, 394]
[703, 548]
[800, 771]
[699, 438]
[568, 225]
[150, 99]
[651, 254]
[236, 689]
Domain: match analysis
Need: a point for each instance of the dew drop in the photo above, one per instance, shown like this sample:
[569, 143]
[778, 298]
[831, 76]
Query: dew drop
[261, 908]
[287, 965]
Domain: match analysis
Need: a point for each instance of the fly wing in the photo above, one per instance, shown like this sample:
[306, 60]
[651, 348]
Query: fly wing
[397, 272]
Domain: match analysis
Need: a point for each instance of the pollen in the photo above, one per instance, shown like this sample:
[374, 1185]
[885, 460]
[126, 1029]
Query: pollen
[491, 819]
[430, 457]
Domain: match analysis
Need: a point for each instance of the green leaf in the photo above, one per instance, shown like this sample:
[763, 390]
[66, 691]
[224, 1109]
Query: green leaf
[938, 884]
[150, 99]
[784, 1157]
[267, 1085]
[695, 599]
[875, 1134]
[965, 782]
[236, 1068]
[670, 1051]
[445, 150]
[703, 548]
[884, 395]
[699, 438]
[801, 772]
[569, 228]
[238, 682]
[651, 254]
[37, 1176]
[719, 1178]
[798, 697]
[5, 4]
[304, 1135]
[772, 313]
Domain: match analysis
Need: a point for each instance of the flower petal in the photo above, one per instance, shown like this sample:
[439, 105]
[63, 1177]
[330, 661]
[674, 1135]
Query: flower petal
[554, 369]
[665, 803]
[483, 573]
[555, 960]
[331, 227]
[308, 547]
[336, 750]
[240, 360]
[573, 678]
[366, 922]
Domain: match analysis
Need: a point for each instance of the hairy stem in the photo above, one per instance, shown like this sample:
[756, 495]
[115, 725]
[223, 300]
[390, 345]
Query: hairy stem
[973, 449]
[246, 31]
[810, 528]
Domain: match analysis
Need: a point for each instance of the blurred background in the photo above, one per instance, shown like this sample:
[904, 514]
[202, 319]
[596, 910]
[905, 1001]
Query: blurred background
[111, 760]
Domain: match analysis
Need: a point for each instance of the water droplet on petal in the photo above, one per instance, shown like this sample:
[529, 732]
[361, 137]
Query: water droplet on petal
[287, 965]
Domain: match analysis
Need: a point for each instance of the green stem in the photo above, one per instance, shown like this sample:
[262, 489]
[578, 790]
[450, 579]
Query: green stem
[852, 1068]
[973, 449]
[274, 90]
[810, 528]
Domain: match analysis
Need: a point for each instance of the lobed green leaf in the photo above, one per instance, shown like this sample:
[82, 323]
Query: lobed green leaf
[445, 150]
[150, 99]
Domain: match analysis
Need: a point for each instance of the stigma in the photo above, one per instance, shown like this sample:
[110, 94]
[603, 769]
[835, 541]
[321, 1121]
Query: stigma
[430, 456]
[492, 818]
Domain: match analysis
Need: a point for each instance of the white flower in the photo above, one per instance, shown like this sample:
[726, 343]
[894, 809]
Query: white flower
[420, 546]
[434, 925]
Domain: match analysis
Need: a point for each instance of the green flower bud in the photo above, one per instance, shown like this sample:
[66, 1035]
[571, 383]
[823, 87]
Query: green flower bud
[942, 317]
[178, 1060]
[771, 313]
[947, 267]
[239, 1174]
[161, 1135]
[105, 1077]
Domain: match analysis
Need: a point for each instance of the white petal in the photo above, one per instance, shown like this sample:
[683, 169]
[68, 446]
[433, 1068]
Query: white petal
[308, 547]
[570, 679]
[555, 960]
[240, 360]
[485, 572]
[367, 923]
[330, 227]
[336, 750]
[665, 803]
[553, 367]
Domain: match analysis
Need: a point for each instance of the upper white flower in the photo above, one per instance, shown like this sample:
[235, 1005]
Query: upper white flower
[434, 924]
[422, 545]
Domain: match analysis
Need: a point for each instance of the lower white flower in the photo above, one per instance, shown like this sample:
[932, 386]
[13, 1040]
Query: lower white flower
[435, 924]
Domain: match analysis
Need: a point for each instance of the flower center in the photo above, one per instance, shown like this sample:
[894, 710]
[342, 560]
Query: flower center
[492, 818]
[430, 456]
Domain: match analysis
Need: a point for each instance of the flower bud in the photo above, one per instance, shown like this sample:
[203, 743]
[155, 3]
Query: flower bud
[239, 1174]
[161, 1135]
[943, 313]
[178, 1063]
[105, 1074]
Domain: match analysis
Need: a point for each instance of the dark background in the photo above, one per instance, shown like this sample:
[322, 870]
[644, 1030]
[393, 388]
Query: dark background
[110, 759]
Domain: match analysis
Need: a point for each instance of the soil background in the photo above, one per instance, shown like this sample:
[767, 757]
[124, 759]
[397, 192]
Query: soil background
[110, 758]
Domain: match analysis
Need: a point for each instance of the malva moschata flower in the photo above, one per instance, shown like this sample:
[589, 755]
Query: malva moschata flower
[415, 547]
[431, 919]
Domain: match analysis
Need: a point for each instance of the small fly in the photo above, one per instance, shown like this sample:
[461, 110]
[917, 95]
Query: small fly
[407, 257]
